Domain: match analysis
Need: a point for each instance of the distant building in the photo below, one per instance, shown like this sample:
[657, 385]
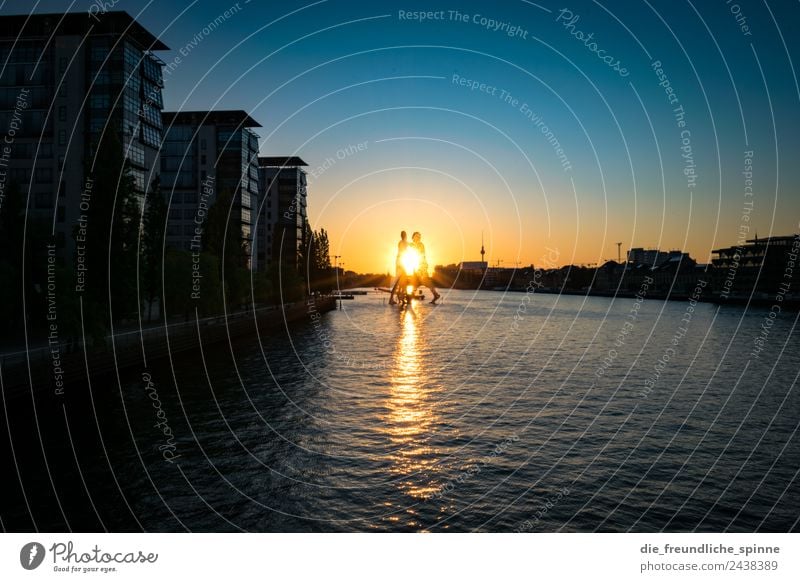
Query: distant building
[71, 78]
[282, 225]
[677, 276]
[206, 153]
[455, 277]
[762, 266]
[474, 266]
[652, 257]
[499, 277]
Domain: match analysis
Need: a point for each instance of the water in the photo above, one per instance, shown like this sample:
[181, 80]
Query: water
[489, 412]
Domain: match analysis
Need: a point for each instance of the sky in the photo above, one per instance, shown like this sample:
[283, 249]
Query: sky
[553, 130]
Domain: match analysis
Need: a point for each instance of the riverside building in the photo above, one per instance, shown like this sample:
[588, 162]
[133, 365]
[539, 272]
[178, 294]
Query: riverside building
[205, 154]
[69, 80]
[282, 230]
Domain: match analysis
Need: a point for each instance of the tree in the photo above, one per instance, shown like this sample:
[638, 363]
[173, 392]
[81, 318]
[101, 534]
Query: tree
[261, 287]
[318, 262]
[152, 244]
[177, 298]
[11, 230]
[223, 239]
[112, 234]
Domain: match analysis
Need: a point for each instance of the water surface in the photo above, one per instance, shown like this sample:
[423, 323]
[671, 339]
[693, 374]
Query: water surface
[489, 412]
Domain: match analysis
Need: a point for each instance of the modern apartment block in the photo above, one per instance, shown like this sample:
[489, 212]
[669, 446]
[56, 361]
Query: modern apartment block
[207, 153]
[761, 266]
[283, 219]
[68, 80]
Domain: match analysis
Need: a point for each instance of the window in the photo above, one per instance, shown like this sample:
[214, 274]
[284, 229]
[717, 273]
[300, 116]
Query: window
[60, 214]
[152, 94]
[151, 136]
[44, 175]
[132, 58]
[152, 116]
[152, 70]
[62, 137]
[62, 113]
[180, 133]
[135, 153]
[176, 163]
[138, 179]
[100, 101]
[42, 200]
[21, 151]
[99, 53]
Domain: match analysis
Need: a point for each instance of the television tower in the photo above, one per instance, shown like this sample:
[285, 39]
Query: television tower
[619, 252]
[483, 250]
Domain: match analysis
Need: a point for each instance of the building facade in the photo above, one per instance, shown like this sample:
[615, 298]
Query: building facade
[761, 266]
[68, 81]
[207, 153]
[282, 229]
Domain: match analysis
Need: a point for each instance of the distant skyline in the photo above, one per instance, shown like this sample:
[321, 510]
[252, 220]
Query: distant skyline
[567, 126]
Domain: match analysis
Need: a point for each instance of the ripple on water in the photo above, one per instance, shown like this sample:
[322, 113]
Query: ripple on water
[452, 419]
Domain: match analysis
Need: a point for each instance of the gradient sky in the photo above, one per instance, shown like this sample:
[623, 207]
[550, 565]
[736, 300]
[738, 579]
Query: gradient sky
[323, 77]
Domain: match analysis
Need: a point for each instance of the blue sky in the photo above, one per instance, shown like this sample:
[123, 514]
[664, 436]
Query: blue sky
[332, 74]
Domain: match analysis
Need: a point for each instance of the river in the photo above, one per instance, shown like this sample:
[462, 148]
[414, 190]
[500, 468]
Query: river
[489, 412]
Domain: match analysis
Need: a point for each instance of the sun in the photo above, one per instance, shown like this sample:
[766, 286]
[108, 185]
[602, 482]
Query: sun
[410, 260]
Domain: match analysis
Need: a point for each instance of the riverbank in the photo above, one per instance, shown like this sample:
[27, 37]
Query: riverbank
[788, 304]
[54, 368]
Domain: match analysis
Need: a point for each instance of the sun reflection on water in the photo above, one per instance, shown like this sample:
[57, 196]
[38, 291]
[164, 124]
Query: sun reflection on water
[411, 411]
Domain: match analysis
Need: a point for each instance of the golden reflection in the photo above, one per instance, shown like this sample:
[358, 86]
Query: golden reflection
[411, 415]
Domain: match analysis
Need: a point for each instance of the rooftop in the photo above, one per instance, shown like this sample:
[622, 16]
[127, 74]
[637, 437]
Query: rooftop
[280, 162]
[757, 243]
[235, 117]
[45, 26]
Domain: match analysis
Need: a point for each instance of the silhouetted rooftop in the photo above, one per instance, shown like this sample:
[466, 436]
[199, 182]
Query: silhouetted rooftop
[20, 26]
[235, 117]
[280, 162]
